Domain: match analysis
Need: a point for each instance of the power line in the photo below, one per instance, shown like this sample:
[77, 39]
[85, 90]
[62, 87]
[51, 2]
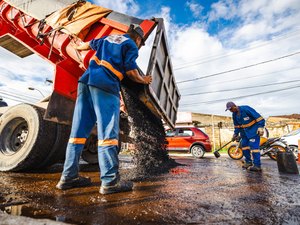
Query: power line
[240, 68]
[19, 94]
[216, 57]
[241, 88]
[240, 79]
[17, 97]
[239, 97]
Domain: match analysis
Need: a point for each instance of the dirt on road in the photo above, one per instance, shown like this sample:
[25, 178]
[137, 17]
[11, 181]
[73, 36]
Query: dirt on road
[202, 191]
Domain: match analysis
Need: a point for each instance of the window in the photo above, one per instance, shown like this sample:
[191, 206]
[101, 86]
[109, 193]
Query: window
[170, 133]
[185, 132]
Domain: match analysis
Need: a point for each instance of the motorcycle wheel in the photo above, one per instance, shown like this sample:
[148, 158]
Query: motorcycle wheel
[234, 152]
[276, 149]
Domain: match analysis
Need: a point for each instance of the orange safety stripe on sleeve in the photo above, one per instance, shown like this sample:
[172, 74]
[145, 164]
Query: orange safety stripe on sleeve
[77, 140]
[246, 148]
[237, 126]
[108, 66]
[249, 124]
[259, 119]
[108, 142]
[255, 150]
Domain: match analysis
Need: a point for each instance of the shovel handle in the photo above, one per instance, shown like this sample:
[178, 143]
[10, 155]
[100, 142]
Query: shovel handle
[222, 146]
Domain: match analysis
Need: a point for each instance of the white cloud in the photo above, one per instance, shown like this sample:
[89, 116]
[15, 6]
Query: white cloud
[223, 9]
[123, 6]
[17, 74]
[260, 19]
[195, 8]
[258, 30]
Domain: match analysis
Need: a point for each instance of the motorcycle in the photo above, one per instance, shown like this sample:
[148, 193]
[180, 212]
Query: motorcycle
[268, 147]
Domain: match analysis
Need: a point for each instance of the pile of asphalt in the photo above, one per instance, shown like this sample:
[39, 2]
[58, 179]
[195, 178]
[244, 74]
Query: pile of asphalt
[147, 133]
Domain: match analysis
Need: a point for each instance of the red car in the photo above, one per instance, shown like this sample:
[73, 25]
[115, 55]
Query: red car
[190, 139]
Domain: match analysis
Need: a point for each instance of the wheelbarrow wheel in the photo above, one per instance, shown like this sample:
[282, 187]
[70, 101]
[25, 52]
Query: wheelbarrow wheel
[235, 152]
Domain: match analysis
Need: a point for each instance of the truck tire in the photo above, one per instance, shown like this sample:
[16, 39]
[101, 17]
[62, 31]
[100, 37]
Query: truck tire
[25, 138]
[58, 151]
[90, 150]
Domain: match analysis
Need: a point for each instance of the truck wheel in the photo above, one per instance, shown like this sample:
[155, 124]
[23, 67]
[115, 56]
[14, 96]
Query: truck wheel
[58, 151]
[25, 138]
[90, 150]
[197, 151]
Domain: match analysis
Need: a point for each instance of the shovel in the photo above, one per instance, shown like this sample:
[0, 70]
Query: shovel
[286, 162]
[216, 152]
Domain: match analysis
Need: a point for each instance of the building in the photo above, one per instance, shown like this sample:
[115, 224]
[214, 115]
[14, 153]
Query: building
[220, 128]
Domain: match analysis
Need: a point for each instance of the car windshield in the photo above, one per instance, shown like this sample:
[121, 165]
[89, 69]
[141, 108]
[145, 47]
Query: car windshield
[295, 132]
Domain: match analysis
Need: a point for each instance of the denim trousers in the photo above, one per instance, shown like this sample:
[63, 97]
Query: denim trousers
[251, 146]
[94, 105]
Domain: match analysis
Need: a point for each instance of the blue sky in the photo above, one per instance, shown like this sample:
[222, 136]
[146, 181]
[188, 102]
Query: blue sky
[257, 40]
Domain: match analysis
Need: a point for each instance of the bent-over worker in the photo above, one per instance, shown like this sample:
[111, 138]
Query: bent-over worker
[250, 126]
[98, 101]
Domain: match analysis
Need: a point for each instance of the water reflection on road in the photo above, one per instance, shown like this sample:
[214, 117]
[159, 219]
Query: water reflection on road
[201, 191]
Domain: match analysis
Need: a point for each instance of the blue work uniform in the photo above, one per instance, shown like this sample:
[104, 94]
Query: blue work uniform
[98, 101]
[246, 122]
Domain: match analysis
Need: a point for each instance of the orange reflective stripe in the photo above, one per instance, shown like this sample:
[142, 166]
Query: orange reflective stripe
[108, 142]
[252, 122]
[255, 150]
[237, 126]
[246, 148]
[77, 140]
[107, 65]
[249, 124]
[259, 119]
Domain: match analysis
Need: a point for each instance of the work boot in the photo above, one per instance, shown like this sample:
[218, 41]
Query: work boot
[247, 165]
[74, 183]
[254, 168]
[121, 186]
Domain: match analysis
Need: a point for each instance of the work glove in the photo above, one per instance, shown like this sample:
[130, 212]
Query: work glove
[260, 131]
[234, 137]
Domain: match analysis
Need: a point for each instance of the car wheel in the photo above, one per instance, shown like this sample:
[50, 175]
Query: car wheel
[197, 151]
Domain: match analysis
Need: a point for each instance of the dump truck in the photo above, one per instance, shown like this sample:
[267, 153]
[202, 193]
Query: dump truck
[33, 136]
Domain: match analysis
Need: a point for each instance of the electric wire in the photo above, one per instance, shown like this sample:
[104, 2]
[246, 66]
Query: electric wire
[217, 57]
[19, 94]
[240, 97]
[240, 79]
[242, 88]
[18, 98]
[240, 68]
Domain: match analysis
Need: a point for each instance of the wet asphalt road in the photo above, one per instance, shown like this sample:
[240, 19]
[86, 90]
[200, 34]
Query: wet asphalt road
[203, 191]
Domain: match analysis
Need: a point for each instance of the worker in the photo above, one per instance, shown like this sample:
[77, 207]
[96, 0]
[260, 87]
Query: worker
[250, 126]
[98, 100]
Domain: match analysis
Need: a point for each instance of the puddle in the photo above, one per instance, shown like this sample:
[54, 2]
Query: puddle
[207, 191]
